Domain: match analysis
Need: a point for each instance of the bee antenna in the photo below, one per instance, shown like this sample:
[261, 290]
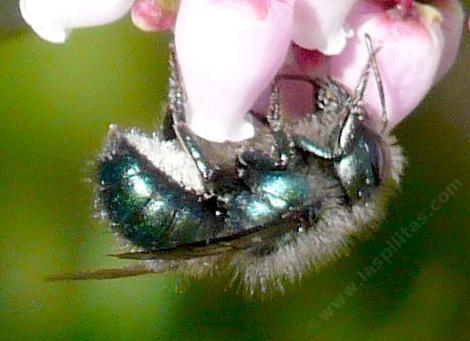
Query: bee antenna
[361, 87]
[174, 72]
[378, 81]
[274, 115]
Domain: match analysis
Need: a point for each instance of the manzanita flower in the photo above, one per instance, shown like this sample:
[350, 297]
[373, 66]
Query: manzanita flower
[320, 25]
[230, 50]
[414, 46]
[417, 43]
[53, 20]
[453, 18]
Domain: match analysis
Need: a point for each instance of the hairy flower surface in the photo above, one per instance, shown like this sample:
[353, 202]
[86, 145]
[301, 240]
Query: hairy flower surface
[229, 51]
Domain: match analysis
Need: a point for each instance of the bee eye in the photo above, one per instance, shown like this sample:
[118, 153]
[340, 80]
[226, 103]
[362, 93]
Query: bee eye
[377, 160]
[362, 170]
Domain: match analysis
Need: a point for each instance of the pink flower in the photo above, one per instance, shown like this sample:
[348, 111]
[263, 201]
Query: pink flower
[416, 45]
[411, 46]
[319, 25]
[229, 51]
[453, 18]
[53, 20]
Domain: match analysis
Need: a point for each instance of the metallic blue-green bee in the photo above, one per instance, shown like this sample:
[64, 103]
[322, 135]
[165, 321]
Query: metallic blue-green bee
[266, 209]
[161, 193]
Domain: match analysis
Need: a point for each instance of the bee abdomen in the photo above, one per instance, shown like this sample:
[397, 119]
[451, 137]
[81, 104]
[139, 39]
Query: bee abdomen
[146, 207]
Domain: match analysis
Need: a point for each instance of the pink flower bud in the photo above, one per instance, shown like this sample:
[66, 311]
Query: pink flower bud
[154, 15]
[411, 45]
[53, 20]
[228, 52]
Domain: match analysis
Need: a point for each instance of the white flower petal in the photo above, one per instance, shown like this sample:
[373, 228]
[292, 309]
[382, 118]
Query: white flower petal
[53, 20]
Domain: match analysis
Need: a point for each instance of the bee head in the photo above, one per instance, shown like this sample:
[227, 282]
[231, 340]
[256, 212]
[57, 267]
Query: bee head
[363, 169]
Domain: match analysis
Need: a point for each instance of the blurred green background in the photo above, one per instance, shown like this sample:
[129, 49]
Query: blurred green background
[56, 103]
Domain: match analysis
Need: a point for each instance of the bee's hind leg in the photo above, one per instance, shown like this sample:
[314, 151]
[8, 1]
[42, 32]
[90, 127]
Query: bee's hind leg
[283, 146]
[283, 143]
[174, 124]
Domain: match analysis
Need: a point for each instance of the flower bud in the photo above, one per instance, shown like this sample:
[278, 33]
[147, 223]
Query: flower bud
[154, 15]
[228, 52]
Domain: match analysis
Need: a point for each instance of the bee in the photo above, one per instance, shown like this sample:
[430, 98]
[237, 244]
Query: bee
[266, 209]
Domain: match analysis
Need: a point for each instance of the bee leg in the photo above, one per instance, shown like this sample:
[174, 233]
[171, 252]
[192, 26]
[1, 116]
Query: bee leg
[309, 146]
[190, 145]
[174, 125]
[349, 129]
[175, 107]
[167, 129]
[346, 138]
[282, 149]
[355, 112]
[283, 143]
[299, 141]
[331, 94]
[378, 82]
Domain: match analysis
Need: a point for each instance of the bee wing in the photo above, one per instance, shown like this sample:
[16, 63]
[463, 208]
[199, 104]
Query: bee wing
[135, 270]
[179, 253]
[222, 246]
